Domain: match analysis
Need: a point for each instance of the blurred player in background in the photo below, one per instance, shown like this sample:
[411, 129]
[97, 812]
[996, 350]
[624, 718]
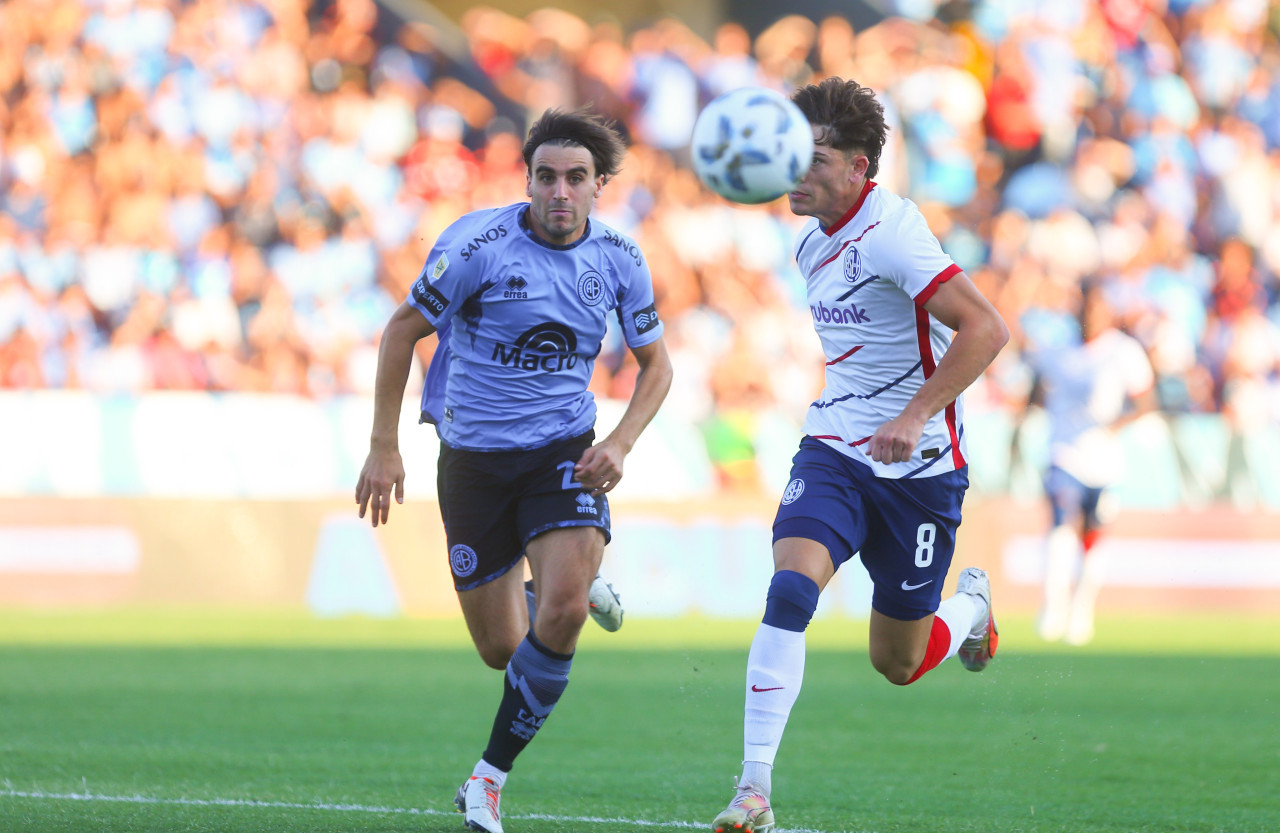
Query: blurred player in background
[882, 470]
[1089, 390]
[519, 297]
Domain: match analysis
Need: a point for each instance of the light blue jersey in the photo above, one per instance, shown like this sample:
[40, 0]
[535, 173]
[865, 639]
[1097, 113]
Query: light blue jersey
[520, 323]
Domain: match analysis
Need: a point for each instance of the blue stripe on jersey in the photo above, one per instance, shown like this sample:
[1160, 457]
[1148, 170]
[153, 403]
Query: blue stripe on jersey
[805, 242]
[856, 287]
[871, 395]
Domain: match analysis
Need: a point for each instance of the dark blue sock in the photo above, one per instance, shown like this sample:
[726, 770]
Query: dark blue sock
[792, 599]
[536, 677]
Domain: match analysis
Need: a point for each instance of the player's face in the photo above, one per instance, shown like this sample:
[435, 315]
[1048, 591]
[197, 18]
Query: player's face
[562, 185]
[831, 186]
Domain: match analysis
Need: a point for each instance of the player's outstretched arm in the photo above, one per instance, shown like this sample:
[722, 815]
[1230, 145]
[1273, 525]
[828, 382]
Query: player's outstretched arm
[383, 471]
[980, 335]
[600, 467]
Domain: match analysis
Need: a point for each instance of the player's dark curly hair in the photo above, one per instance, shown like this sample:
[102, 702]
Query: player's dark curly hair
[579, 127]
[848, 117]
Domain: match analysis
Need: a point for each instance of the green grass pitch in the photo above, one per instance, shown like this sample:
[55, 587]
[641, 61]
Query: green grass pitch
[188, 721]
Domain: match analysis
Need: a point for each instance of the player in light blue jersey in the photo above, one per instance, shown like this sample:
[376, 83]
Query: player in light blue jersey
[519, 297]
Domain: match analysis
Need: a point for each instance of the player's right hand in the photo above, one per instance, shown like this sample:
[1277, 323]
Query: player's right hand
[383, 474]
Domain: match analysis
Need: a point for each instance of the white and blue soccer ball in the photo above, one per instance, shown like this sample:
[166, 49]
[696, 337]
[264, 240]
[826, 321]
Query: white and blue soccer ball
[751, 145]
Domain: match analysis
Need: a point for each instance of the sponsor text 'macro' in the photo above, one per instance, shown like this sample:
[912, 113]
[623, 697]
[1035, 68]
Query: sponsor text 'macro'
[549, 347]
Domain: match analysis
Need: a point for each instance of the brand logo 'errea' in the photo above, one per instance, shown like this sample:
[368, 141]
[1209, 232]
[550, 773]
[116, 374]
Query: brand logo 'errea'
[516, 288]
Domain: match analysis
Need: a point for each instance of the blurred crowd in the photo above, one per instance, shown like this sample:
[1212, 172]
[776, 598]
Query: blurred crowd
[233, 195]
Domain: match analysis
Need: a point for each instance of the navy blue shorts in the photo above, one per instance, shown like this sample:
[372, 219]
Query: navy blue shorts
[1073, 502]
[904, 529]
[494, 502]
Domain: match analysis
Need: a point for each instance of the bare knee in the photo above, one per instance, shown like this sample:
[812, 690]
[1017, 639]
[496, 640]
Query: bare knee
[559, 623]
[497, 653]
[896, 668]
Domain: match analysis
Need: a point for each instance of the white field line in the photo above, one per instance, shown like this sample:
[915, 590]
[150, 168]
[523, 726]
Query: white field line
[356, 808]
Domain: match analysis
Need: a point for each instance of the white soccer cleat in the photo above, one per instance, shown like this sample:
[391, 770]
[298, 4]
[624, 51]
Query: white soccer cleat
[604, 604]
[980, 646]
[478, 799]
[749, 811]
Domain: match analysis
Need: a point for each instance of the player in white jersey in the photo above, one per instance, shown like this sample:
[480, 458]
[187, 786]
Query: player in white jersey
[1089, 390]
[882, 470]
[520, 296]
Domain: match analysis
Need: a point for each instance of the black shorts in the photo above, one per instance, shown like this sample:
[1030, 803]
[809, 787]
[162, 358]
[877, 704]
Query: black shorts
[494, 502]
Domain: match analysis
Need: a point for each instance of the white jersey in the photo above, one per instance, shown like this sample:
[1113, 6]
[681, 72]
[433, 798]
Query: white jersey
[1086, 388]
[868, 278]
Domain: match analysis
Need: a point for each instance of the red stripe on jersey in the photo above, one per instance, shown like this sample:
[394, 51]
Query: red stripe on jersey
[828, 260]
[938, 280]
[853, 444]
[928, 365]
[846, 355]
[867, 229]
[852, 212]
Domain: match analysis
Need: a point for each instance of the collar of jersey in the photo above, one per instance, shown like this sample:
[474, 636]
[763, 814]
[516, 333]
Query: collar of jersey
[532, 235]
[852, 212]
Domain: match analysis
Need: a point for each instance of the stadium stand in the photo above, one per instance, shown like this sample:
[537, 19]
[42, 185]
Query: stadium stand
[230, 196]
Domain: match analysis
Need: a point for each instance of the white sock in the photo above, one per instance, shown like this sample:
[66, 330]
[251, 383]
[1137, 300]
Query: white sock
[759, 775]
[962, 614]
[1062, 552]
[484, 769]
[775, 672]
[1080, 618]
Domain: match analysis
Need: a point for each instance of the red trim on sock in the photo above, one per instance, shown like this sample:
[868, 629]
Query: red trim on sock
[936, 651]
[1089, 539]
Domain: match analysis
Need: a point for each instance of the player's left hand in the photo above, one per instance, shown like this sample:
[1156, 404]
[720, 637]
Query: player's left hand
[599, 468]
[894, 441]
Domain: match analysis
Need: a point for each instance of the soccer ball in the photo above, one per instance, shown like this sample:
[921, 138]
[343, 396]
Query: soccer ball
[752, 145]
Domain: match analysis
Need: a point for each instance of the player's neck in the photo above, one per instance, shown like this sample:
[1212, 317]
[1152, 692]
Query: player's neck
[851, 205]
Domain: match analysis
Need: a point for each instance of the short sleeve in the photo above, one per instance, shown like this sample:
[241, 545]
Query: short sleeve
[637, 311]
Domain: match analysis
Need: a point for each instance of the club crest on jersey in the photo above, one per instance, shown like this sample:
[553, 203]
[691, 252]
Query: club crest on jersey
[462, 560]
[590, 288]
[852, 264]
[794, 490]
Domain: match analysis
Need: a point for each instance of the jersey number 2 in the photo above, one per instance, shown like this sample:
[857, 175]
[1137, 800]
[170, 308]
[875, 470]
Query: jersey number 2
[568, 482]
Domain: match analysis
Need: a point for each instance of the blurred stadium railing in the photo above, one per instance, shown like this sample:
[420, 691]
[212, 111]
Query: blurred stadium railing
[244, 500]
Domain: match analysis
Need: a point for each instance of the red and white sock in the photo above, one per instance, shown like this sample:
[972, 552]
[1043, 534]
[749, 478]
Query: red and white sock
[954, 620]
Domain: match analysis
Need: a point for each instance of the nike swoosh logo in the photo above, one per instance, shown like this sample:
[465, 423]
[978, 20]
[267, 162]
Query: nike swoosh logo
[758, 689]
[906, 586]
